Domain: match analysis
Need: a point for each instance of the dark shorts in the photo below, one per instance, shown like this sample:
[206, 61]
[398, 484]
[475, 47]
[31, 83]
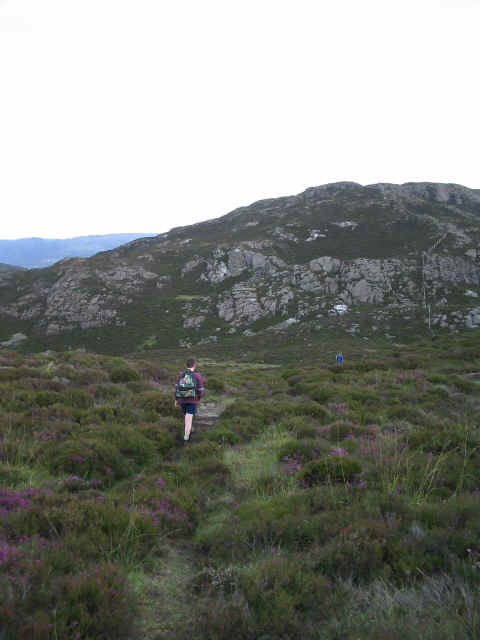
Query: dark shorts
[189, 408]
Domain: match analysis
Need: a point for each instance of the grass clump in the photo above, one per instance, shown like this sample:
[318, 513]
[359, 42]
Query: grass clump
[331, 469]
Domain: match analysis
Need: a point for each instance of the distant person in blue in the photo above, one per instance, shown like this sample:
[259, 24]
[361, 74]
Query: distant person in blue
[339, 358]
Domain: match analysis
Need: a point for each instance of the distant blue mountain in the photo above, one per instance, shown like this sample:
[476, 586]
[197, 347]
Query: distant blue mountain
[43, 252]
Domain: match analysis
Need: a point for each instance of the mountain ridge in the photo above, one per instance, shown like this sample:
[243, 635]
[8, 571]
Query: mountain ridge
[366, 260]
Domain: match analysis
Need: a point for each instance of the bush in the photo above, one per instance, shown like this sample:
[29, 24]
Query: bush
[315, 410]
[123, 415]
[441, 440]
[108, 392]
[301, 427]
[130, 442]
[163, 438]
[280, 593]
[87, 458]
[465, 386]
[77, 398]
[341, 430]
[210, 474]
[155, 404]
[216, 385]
[244, 428]
[222, 435]
[96, 604]
[333, 468]
[123, 374]
[200, 450]
[301, 450]
[405, 412]
[284, 520]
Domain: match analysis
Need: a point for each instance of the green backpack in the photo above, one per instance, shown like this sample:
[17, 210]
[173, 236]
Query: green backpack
[186, 386]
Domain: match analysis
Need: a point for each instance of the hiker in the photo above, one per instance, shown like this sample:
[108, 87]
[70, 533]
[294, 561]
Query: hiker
[188, 392]
[339, 358]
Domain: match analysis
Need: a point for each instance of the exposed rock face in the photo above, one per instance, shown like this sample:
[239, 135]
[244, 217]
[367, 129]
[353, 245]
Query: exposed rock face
[15, 340]
[81, 297]
[338, 255]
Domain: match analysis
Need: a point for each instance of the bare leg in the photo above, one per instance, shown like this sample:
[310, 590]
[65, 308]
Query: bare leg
[188, 425]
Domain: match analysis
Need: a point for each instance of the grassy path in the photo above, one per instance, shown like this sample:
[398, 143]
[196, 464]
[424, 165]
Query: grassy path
[164, 605]
[164, 588]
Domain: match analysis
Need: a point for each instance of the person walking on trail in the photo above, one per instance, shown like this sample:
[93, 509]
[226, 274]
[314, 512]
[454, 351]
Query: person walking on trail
[339, 358]
[188, 393]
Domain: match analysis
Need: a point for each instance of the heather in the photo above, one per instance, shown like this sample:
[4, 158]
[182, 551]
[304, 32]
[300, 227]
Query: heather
[314, 501]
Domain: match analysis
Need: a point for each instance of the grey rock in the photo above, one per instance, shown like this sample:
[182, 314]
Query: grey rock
[194, 322]
[15, 340]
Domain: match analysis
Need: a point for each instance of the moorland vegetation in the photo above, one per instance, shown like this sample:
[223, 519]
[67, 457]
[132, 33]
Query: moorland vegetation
[322, 502]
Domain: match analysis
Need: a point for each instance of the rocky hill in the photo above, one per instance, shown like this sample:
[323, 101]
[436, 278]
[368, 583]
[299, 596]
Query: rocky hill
[382, 259]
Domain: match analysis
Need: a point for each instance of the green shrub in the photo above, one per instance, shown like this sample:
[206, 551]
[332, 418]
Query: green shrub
[137, 386]
[465, 386]
[284, 520]
[11, 476]
[320, 394]
[341, 429]
[123, 374]
[156, 404]
[314, 410]
[96, 604]
[130, 442]
[108, 391]
[441, 440]
[122, 415]
[364, 398]
[269, 483]
[164, 439]
[280, 593]
[216, 385]
[244, 428]
[222, 435]
[77, 398]
[243, 409]
[301, 450]
[290, 373]
[87, 458]
[20, 400]
[405, 412]
[436, 378]
[210, 474]
[332, 468]
[359, 552]
[221, 619]
[203, 449]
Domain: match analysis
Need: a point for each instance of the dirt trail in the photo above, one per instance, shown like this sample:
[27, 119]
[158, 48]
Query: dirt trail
[164, 599]
[208, 414]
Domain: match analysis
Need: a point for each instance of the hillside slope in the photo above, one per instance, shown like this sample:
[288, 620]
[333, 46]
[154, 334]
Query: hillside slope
[377, 260]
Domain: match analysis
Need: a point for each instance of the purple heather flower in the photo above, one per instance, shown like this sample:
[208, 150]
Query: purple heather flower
[339, 451]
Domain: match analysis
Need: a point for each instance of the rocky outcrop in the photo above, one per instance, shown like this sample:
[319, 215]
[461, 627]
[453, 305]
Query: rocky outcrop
[338, 255]
[15, 340]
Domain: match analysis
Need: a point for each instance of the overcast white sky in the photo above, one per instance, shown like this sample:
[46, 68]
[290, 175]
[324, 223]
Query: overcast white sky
[137, 116]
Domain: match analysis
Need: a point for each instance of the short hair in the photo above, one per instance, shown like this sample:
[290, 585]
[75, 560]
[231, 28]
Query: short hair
[190, 363]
